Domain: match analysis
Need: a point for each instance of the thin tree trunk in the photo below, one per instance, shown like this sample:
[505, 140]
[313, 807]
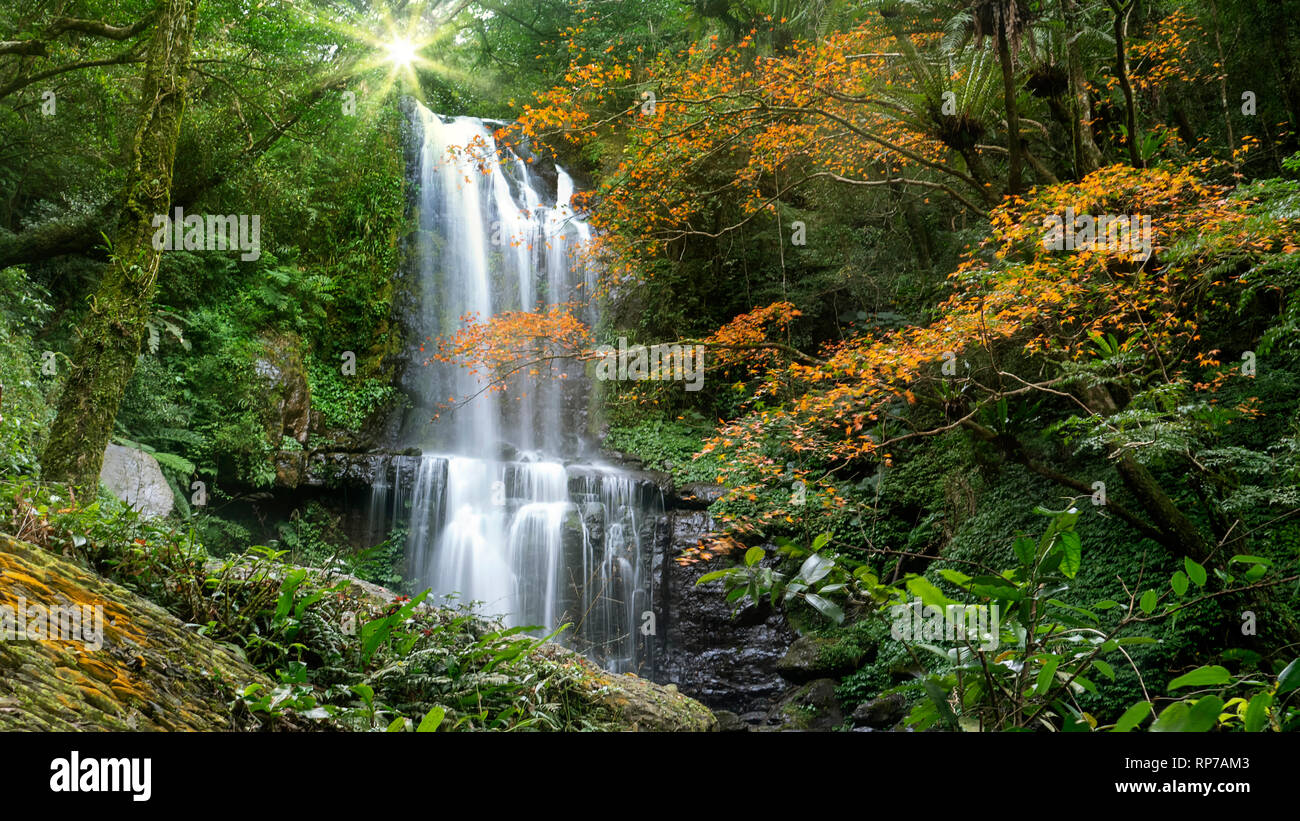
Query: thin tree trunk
[1087, 157]
[111, 335]
[1013, 114]
[1223, 87]
[1122, 12]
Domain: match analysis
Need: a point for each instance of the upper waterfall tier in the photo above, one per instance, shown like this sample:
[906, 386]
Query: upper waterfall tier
[494, 236]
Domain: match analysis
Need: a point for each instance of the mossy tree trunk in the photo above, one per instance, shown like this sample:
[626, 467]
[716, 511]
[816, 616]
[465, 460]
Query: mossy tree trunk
[111, 335]
[1087, 157]
[1006, 57]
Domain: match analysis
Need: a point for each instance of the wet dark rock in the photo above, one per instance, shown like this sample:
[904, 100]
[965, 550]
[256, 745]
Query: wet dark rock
[697, 495]
[882, 713]
[728, 664]
[729, 722]
[333, 469]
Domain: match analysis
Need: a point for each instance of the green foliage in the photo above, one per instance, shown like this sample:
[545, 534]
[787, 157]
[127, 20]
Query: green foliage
[25, 412]
[1261, 705]
[819, 577]
[664, 444]
[346, 401]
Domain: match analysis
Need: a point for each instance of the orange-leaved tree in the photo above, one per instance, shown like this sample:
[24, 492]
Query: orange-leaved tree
[1109, 333]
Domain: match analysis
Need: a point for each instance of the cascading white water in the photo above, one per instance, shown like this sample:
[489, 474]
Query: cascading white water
[502, 510]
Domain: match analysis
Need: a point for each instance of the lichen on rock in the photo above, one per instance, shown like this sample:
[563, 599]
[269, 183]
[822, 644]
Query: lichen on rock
[146, 671]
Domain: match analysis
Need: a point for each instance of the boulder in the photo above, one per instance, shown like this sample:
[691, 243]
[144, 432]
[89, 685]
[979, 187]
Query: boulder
[133, 667]
[881, 713]
[135, 477]
[729, 722]
[812, 706]
[809, 658]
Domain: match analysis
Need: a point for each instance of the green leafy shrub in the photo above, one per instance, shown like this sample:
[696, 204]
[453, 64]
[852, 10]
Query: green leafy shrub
[346, 402]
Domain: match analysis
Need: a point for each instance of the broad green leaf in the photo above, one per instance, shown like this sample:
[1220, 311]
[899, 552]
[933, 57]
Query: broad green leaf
[826, 607]
[365, 691]
[1072, 559]
[1178, 582]
[1105, 669]
[1204, 714]
[1208, 676]
[1257, 712]
[1148, 602]
[431, 720]
[1181, 717]
[924, 590]
[820, 541]
[1024, 548]
[1132, 717]
[955, 576]
[714, 576]
[815, 568]
[754, 555]
[1172, 719]
[1045, 675]
[1289, 678]
[1195, 572]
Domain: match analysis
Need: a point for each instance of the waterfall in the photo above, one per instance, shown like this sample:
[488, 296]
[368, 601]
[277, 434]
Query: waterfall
[504, 509]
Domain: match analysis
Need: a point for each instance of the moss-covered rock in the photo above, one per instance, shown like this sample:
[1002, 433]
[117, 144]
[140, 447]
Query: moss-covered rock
[812, 706]
[814, 657]
[140, 668]
[633, 703]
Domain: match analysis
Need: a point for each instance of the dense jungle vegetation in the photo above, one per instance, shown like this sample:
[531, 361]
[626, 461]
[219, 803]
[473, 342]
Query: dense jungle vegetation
[912, 394]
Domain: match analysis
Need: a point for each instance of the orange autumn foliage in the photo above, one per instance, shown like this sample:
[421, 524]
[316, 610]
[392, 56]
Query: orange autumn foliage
[1011, 297]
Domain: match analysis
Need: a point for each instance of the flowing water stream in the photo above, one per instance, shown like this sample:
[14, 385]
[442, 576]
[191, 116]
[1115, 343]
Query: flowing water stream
[506, 506]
